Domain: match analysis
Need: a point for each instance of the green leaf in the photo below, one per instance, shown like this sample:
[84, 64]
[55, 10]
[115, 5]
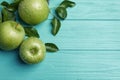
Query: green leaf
[7, 15]
[55, 25]
[5, 4]
[51, 47]
[14, 6]
[30, 31]
[47, 1]
[67, 3]
[61, 12]
[0, 17]
[11, 7]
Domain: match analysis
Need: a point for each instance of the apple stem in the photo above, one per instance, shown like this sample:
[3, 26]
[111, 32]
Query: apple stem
[32, 51]
[16, 25]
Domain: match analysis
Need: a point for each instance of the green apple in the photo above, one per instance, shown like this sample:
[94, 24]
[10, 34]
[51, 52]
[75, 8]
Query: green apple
[32, 50]
[11, 35]
[33, 11]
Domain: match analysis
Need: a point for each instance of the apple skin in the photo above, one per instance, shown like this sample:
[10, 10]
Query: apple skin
[33, 11]
[11, 35]
[32, 50]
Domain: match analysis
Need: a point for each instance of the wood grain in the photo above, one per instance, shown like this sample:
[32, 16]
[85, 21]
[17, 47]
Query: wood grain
[89, 42]
[84, 35]
[92, 9]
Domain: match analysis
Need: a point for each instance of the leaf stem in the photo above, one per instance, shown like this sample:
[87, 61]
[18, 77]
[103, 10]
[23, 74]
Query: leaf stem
[54, 15]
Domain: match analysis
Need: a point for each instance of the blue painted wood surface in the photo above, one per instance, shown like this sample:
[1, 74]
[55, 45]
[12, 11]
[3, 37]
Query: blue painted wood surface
[89, 42]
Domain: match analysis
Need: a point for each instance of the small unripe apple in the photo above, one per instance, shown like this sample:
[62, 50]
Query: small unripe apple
[11, 35]
[33, 11]
[32, 50]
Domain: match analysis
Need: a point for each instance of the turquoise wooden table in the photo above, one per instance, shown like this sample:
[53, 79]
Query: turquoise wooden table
[89, 42]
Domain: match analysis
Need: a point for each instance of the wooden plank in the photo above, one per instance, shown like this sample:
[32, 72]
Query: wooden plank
[89, 43]
[83, 35]
[65, 65]
[86, 65]
[92, 9]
